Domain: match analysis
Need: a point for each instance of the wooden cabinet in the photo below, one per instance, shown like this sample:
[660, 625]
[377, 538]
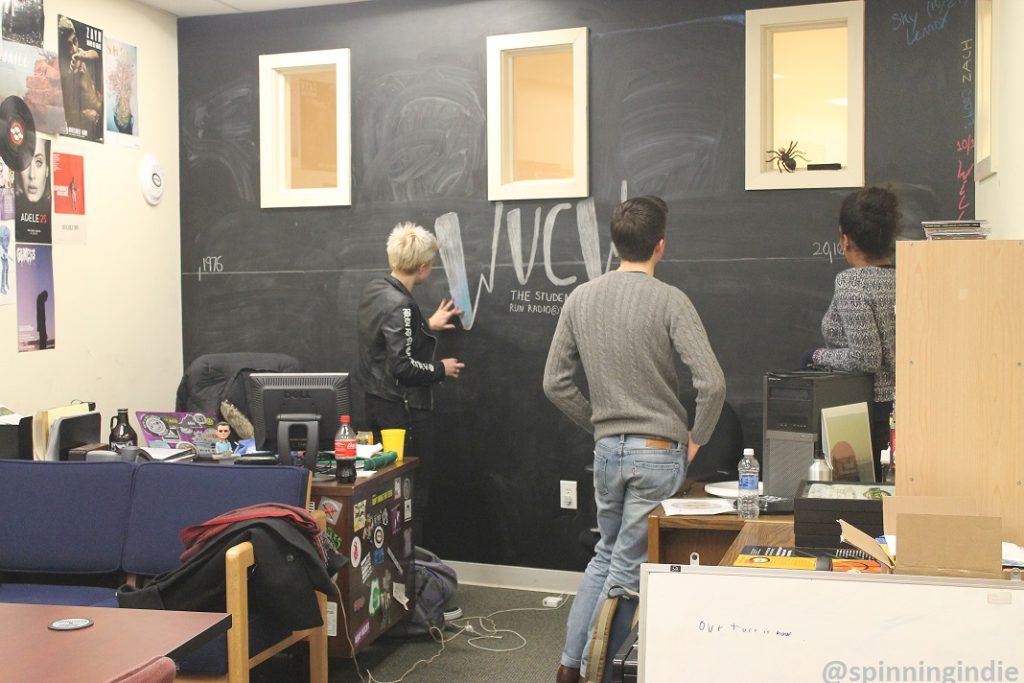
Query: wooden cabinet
[960, 374]
[370, 522]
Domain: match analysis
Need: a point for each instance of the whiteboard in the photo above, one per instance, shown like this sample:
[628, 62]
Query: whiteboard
[770, 625]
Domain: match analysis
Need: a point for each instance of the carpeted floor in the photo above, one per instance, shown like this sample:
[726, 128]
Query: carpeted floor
[480, 657]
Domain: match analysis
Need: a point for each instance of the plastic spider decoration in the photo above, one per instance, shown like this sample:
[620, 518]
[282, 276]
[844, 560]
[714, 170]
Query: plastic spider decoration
[785, 157]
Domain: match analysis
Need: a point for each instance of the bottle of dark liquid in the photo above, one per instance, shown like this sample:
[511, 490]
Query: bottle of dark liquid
[121, 433]
[345, 451]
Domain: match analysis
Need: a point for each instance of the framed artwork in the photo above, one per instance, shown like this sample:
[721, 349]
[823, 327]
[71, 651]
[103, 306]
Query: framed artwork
[305, 129]
[846, 433]
[537, 136]
[805, 117]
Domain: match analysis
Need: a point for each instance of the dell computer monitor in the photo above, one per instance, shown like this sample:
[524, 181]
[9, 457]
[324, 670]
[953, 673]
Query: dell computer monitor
[296, 398]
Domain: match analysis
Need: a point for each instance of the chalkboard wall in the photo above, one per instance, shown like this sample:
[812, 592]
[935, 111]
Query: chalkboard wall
[666, 118]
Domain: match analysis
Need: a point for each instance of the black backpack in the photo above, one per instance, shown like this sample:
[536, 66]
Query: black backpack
[435, 586]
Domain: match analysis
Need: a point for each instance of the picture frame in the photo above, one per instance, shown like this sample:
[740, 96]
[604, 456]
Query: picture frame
[846, 438]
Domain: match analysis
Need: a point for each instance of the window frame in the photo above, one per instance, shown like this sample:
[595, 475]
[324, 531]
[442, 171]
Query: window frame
[760, 25]
[274, 131]
[499, 109]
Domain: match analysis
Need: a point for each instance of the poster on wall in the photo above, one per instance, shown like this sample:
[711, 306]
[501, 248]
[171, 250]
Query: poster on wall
[122, 92]
[22, 22]
[80, 56]
[36, 324]
[6, 235]
[68, 199]
[32, 199]
[34, 75]
[6, 263]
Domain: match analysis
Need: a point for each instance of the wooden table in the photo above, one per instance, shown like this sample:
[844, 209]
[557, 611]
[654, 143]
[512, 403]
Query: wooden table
[370, 522]
[762, 531]
[118, 640]
[672, 538]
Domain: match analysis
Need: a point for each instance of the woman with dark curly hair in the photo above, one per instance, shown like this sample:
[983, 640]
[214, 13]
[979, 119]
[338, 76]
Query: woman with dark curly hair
[859, 326]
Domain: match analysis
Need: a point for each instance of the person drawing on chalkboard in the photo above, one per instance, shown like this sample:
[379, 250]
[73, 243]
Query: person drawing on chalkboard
[396, 353]
[859, 326]
[625, 329]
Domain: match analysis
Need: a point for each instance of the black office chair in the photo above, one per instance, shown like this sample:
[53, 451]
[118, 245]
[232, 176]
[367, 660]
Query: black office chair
[717, 459]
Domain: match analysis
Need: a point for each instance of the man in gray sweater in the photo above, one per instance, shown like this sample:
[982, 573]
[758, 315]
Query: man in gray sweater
[625, 328]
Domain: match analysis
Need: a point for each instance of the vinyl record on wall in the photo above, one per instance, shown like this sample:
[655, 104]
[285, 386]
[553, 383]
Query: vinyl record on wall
[18, 146]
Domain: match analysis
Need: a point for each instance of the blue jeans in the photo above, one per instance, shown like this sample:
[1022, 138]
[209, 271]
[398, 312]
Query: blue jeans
[630, 480]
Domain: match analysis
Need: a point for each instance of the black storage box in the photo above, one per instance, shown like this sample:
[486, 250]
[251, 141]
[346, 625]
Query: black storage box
[819, 504]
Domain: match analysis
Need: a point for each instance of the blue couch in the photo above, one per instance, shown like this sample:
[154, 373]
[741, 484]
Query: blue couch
[69, 521]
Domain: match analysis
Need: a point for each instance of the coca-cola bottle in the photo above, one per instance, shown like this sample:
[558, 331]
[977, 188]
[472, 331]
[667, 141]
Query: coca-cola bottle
[345, 451]
[121, 433]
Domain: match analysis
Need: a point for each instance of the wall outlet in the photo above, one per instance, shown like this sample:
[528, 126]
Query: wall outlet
[567, 494]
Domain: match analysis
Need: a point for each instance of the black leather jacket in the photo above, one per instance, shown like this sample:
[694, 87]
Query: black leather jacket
[396, 350]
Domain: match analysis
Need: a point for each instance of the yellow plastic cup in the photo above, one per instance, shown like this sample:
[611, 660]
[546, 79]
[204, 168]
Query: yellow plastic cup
[393, 440]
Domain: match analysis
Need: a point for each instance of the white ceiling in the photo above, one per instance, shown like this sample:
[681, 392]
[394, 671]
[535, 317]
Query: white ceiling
[200, 8]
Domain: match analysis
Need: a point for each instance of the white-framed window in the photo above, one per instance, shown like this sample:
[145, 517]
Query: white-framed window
[537, 140]
[805, 96]
[305, 129]
[985, 94]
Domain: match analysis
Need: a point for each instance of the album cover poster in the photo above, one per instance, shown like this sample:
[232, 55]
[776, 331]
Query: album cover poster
[80, 57]
[32, 199]
[121, 66]
[34, 75]
[36, 323]
[7, 268]
[22, 22]
[68, 198]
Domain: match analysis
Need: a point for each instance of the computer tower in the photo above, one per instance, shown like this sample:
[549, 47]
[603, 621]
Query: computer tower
[792, 420]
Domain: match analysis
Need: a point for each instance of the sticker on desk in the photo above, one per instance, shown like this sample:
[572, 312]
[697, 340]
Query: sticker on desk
[360, 636]
[381, 496]
[334, 538]
[408, 509]
[407, 535]
[332, 618]
[407, 488]
[374, 597]
[398, 565]
[331, 508]
[396, 517]
[358, 515]
[378, 536]
[366, 568]
[398, 488]
[398, 590]
[356, 552]
[358, 604]
[378, 556]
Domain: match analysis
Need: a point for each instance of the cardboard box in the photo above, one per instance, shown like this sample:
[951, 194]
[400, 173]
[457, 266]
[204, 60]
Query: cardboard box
[935, 537]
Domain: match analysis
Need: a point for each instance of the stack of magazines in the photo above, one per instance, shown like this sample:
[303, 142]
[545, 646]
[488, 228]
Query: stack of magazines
[971, 229]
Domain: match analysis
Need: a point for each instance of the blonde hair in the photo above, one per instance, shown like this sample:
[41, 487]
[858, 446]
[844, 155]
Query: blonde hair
[409, 247]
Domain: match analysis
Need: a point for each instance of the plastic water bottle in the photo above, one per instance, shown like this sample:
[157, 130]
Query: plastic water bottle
[748, 503]
[345, 451]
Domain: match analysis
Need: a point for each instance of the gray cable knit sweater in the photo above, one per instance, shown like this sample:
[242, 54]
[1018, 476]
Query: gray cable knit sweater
[860, 327]
[625, 328]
